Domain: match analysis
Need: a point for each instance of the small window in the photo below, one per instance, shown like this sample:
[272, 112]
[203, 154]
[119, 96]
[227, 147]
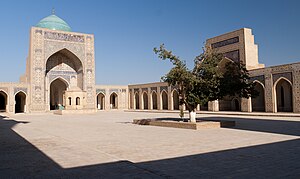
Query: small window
[77, 101]
[70, 101]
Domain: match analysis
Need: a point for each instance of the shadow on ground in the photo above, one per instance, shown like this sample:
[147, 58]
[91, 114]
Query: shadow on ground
[20, 159]
[263, 125]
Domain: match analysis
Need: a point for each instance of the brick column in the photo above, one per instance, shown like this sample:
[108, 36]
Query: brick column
[150, 106]
[296, 88]
[246, 105]
[141, 99]
[131, 103]
[213, 105]
[159, 106]
[170, 98]
[269, 92]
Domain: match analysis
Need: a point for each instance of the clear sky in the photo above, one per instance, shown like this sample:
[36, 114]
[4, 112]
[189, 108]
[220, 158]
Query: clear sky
[126, 31]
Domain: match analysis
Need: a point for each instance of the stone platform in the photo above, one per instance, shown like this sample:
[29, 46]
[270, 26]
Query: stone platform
[172, 122]
[80, 111]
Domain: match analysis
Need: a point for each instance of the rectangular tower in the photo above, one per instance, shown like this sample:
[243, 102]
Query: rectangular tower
[239, 46]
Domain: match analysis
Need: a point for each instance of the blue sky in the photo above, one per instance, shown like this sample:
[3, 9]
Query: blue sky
[126, 31]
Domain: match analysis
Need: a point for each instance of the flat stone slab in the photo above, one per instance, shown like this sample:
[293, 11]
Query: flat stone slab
[175, 123]
[82, 111]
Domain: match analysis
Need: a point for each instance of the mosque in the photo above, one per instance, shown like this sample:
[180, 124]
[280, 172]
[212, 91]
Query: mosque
[60, 77]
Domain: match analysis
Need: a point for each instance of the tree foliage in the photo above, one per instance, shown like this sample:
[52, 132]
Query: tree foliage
[209, 80]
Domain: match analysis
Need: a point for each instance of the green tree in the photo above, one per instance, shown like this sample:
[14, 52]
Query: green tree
[212, 78]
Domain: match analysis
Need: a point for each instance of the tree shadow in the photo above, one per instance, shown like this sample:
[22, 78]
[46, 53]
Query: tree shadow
[287, 127]
[20, 159]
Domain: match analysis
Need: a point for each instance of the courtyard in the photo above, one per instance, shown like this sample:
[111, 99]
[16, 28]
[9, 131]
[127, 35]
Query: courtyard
[107, 145]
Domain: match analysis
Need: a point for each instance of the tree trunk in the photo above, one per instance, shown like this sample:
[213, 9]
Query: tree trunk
[192, 115]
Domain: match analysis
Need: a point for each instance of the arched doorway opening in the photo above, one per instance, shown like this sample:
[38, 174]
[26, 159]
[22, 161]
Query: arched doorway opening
[258, 103]
[284, 96]
[154, 100]
[20, 102]
[204, 107]
[57, 89]
[235, 105]
[3, 101]
[130, 101]
[137, 101]
[77, 101]
[164, 97]
[145, 100]
[175, 100]
[101, 101]
[114, 101]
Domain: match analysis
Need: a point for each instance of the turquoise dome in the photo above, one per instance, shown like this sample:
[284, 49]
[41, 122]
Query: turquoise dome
[54, 23]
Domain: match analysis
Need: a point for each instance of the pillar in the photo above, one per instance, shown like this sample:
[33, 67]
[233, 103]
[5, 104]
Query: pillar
[159, 105]
[296, 88]
[170, 98]
[246, 105]
[141, 99]
[213, 105]
[150, 106]
[269, 92]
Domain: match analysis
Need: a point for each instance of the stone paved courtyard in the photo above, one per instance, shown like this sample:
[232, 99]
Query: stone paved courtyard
[107, 145]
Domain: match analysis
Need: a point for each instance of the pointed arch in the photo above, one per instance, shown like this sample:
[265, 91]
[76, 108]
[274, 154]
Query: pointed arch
[235, 105]
[113, 99]
[258, 103]
[154, 100]
[145, 100]
[100, 101]
[61, 79]
[77, 101]
[175, 99]
[20, 102]
[67, 52]
[58, 86]
[66, 62]
[283, 95]
[3, 101]
[164, 100]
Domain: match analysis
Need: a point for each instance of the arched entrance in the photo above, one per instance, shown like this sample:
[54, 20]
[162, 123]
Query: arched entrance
[57, 89]
[113, 101]
[284, 96]
[20, 102]
[66, 63]
[258, 103]
[66, 69]
[3, 101]
[164, 97]
[154, 100]
[145, 100]
[101, 101]
[235, 105]
[204, 107]
[137, 101]
[175, 100]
